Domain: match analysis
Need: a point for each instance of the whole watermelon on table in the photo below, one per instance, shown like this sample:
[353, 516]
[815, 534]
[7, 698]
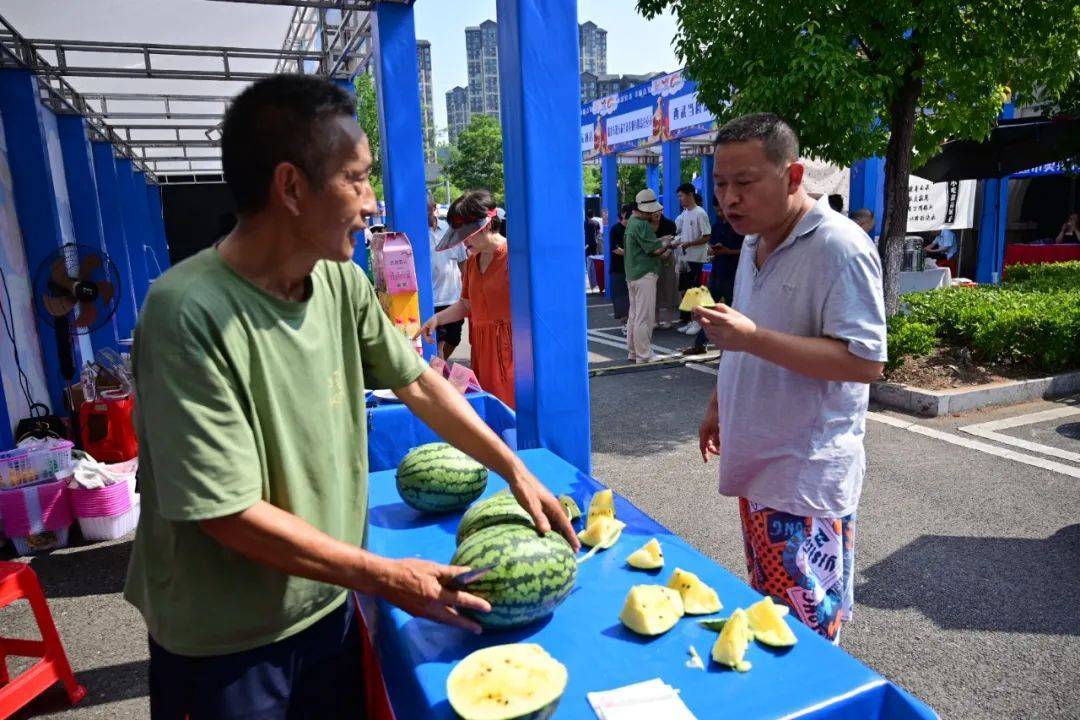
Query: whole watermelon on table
[533, 573]
[439, 478]
[502, 509]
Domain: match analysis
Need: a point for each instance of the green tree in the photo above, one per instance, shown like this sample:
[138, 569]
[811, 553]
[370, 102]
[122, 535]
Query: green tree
[367, 114]
[631, 182]
[592, 179]
[476, 162]
[876, 77]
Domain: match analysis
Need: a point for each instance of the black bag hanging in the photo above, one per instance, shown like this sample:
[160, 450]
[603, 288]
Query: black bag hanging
[41, 424]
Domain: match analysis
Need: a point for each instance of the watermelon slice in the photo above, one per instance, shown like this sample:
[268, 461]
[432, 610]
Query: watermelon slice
[730, 647]
[651, 609]
[648, 557]
[768, 624]
[603, 532]
[698, 598]
[602, 504]
[507, 682]
[571, 507]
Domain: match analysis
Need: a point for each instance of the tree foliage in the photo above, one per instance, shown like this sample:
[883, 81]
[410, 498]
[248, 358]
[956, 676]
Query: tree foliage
[591, 177]
[367, 114]
[476, 161]
[876, 77]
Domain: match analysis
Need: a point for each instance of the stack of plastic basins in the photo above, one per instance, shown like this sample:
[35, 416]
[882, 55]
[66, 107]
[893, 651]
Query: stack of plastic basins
[37, 518]
[109, 512]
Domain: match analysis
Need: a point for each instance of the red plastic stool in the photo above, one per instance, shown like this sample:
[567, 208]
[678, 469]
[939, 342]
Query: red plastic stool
[17, 582]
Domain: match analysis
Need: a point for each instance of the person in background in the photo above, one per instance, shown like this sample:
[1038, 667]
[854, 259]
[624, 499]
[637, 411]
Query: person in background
[592, 230]
[943, 246]
[693, 239]
[643, 253]
[836, 202]
[803, 342]
[620, 295]
[251, 359]
[667, 284]
[724, 248]
[1070, 231]
[447, 267]
[864, 219]
[485, 292]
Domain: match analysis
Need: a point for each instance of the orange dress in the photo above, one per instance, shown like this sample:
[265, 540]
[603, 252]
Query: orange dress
[488, 293]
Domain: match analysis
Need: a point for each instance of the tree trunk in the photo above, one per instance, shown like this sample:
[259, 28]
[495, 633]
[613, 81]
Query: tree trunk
[897, 169]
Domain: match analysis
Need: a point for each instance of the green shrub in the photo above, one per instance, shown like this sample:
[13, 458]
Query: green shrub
[909, 338]
[1044, 277]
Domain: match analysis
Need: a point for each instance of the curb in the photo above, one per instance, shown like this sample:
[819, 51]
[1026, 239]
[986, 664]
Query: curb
[935, 403]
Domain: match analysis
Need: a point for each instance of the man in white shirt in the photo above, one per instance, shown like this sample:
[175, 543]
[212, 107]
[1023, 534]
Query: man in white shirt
[695, 230]
[446, 269]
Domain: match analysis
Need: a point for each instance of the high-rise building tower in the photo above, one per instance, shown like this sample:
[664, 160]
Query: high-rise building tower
[427, 111]
[482, 54]
[592, 46]
[457, 112]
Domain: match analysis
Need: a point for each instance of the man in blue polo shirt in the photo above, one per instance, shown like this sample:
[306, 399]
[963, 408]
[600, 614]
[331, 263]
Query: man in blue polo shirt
[803, 338]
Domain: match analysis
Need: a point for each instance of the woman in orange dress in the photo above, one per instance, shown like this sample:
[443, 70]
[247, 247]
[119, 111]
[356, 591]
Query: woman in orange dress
[485, 292]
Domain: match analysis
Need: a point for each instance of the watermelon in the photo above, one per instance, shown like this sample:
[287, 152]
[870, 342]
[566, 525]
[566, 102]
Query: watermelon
[502, 509]
[533, 573]
[519, 681]
[439, 478]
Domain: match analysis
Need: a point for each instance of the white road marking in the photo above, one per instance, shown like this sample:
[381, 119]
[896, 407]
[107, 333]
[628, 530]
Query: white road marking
[989, 430]
[976, 445]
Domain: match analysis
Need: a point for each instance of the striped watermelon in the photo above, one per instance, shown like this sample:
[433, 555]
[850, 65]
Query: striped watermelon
[502, 509]
[533, 573]
[438, 478]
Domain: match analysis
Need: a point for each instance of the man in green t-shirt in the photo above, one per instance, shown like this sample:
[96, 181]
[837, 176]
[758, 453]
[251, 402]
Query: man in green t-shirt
[251, 360]
[642, 260]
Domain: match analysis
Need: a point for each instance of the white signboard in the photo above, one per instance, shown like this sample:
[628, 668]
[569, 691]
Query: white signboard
[936, 206]
[633, 125]
[686, 111]
[587, 137]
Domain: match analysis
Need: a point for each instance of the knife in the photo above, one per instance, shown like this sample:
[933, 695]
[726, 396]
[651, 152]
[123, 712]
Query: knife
[459, 581]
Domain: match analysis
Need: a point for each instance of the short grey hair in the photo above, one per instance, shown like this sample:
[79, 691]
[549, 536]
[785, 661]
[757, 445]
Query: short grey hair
[779, 138]
[862, 214]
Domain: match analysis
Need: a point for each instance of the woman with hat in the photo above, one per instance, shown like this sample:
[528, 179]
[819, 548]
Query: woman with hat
[642, 264]
[485, 292]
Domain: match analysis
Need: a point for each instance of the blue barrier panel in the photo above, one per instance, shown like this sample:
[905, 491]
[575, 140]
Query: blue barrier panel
[402, 138]
[162, 260]
[538, 77]
[112, 223]
[85, 210]
[671, 167]
[652, 180]
[132, 201]
[990, 260]
[866, 189]
[708, 194]
[609, 192]
[30, 128]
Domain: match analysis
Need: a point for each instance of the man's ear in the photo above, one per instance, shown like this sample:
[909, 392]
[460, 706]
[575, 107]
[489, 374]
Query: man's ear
[288, 186]
[795, 176]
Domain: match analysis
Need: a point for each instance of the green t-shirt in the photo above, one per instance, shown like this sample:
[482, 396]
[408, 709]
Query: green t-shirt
[241, 397]
[641, 243]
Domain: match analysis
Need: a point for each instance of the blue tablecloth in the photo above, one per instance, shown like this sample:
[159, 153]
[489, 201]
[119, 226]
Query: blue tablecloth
[811, 680]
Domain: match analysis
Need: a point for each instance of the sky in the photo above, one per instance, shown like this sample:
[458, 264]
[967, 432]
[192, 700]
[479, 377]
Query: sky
[443, 23]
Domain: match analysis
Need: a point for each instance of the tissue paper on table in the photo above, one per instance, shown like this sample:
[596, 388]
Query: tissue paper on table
[647, 700]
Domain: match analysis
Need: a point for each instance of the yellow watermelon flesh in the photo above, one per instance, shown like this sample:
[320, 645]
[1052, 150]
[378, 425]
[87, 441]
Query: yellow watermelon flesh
[730, 647]
[698, 598]
[604, 531]
[505, 682]
[602, 504]
[651, 609]
[767, 622]
[648, 557]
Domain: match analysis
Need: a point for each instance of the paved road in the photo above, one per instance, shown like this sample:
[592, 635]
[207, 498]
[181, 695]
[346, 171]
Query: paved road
[968, 554]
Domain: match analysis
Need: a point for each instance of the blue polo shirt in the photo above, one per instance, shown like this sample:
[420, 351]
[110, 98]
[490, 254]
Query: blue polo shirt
[789, 441]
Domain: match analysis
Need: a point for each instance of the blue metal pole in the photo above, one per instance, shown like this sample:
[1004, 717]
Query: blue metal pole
[85, 210]
[609, 196]
[402, 139]
[29, 127]
[866, 188]
[112, 223]
[708, 164]
[990, 261]
[541, 102]
[135, 230]
[671, 162]
[652, 180]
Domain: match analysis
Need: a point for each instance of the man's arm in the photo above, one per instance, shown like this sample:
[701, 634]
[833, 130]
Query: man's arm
[815, 357]
[270, 536]
[709, 430]
[448, 413]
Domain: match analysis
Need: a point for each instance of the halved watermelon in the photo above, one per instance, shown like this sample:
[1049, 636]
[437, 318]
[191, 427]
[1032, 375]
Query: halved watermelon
[507, 682]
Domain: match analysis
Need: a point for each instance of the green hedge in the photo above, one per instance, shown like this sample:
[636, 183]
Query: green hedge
[1031, 322]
